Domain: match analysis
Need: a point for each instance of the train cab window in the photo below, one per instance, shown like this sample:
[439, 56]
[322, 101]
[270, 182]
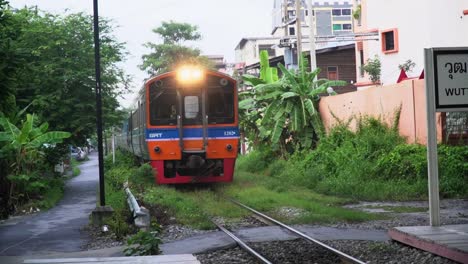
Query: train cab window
[191, 106]
[163, 106]
[220, 105]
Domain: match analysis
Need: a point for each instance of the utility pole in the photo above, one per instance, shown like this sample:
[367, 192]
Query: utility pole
[285, 17]
[298, 31]
[313, 59]
[97, 61]
[101, 212]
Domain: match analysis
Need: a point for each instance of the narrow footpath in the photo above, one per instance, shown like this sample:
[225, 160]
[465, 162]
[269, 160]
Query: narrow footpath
[58, 229]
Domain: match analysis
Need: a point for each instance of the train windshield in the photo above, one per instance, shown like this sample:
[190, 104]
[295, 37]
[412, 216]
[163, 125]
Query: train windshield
[220, 105]
[163, 105]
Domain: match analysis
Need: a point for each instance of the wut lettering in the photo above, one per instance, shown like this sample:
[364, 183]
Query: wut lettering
[456, 91]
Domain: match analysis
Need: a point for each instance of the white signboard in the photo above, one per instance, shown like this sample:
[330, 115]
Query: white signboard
[451, 79]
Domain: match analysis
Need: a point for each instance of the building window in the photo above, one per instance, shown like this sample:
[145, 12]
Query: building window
[337, 27]
[389, 41]
[336, 12]
[332, 73]
[361, 61]
[360, 48]
[346, 12]
[347, 27]
[268, 48]
[292, 31]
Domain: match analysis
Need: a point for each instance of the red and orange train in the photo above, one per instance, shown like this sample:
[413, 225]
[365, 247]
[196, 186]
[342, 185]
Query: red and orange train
[186, 126]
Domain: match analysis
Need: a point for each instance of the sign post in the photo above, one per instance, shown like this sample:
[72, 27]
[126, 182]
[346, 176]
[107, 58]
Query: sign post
[446, 76]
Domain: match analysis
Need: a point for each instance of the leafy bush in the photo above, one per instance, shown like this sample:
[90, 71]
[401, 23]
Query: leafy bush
[255, 161]
[403, 162]
[373, 163]
[143, 243]
[123, 158]
[453, 171]
[142, 177]
[118, 224]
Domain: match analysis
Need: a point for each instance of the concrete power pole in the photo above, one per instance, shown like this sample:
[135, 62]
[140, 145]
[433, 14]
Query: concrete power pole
[313, 59]
[298, 30]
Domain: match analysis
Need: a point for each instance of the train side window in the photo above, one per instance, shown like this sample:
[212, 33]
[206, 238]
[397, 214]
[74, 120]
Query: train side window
[191, 106]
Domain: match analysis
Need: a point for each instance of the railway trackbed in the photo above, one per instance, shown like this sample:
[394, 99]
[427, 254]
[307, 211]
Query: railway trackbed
[341, 256]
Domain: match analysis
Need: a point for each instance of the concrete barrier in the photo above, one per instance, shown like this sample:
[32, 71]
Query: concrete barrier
[141, 215]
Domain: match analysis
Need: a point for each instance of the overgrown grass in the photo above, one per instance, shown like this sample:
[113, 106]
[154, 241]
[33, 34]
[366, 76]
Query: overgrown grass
[116, 174]
[373, 163]
[75, 170]
[194, 206]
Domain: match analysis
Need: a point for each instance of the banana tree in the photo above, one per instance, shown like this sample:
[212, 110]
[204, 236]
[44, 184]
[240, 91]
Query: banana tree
[251, 109]
[22, 149]
[292, 104]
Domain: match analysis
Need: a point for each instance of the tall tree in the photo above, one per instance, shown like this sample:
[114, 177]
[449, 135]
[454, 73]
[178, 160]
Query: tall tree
[57, 75]
[9, 59]
[171, 52]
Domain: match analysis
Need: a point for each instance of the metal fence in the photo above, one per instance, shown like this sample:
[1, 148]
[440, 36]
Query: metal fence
[456, 128]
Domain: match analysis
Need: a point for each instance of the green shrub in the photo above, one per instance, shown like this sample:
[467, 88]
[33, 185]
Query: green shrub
[118, 223]
[142, 177]
[123, 158]
[143, 243]
[403, 162]
[255, 161]
[453, 171]
[373, 163]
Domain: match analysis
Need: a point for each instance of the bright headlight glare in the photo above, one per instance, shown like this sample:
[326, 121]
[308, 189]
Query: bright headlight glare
[189, 74]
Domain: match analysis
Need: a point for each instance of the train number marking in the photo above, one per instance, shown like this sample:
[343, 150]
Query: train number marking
[229, 133]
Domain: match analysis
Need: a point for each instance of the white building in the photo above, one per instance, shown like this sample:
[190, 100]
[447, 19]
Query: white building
[405, 28]
[248, 49]
[331, 18]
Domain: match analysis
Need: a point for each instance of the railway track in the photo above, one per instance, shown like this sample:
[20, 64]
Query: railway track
[345, 258]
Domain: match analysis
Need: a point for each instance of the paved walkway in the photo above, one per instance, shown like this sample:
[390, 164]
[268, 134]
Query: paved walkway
[58, 229]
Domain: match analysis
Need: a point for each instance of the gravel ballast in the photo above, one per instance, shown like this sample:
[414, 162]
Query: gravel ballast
[453, 211]
[301, 251]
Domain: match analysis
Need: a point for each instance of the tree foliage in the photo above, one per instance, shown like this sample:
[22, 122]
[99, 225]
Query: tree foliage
[9, 59]
[171, 52]
[53, 69]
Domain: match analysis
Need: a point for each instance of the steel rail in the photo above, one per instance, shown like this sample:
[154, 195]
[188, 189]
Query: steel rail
[243, 245]
[341, 254]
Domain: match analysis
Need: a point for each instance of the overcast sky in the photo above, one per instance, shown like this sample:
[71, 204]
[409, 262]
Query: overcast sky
[222, 23]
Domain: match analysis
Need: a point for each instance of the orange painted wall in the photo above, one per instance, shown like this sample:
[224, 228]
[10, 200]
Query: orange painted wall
[382, 102]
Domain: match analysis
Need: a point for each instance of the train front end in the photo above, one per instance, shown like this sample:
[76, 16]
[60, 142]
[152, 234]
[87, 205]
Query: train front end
[192, 131]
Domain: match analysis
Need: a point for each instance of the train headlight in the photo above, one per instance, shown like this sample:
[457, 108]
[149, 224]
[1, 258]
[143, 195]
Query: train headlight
[188, 74]
[157, 149]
